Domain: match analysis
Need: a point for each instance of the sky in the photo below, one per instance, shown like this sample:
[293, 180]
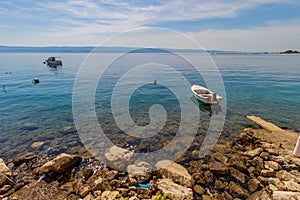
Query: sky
[238, 25]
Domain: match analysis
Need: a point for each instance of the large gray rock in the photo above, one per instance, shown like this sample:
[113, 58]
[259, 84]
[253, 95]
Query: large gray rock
[60, 164]
[178, 192]
[175, 172]
[4, 169]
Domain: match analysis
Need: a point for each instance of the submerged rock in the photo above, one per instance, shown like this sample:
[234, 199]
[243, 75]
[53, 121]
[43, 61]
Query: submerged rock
[24, 158]
[37, 145]
[118, 158]
[29, 127]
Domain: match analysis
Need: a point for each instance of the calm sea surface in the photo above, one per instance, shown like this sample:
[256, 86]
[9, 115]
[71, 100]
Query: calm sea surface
[264, 85]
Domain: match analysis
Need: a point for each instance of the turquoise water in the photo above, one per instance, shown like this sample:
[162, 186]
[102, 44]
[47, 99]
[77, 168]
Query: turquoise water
[264, 85]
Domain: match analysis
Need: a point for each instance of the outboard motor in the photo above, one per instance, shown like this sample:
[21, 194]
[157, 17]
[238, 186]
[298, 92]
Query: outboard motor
[214, 96]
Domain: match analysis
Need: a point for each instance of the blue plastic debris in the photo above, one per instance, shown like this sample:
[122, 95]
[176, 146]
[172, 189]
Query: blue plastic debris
[147, 185]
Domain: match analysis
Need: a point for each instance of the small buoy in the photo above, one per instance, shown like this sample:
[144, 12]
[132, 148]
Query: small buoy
[36, 81]
[155, 82]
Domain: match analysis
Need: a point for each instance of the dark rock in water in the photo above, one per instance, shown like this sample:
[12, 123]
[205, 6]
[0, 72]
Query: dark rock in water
[29, 127]
[24, 158]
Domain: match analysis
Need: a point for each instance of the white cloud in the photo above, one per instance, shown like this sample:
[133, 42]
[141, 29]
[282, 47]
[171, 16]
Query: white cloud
[278, 37]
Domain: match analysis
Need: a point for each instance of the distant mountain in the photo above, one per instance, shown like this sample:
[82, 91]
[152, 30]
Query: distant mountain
[88, 49]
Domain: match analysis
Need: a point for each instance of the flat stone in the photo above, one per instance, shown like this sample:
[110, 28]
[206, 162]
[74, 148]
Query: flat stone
[175, 172]
[24, 158]
[260, 195]
[253, 184]
[4, 169]
[286, 176]
[199, 189]
[285, 195]
[84, 190]
[60, 164]
[218, 168]
[109, 195]
[292, 186]
[253, 153]
[239, 162]
[101, 184]
[219, 157]
[178, 192]
[272, 165]
[220, 185]
[276, 182]
[243, 178]
[234, 187]
[267, 173]
[37, 145]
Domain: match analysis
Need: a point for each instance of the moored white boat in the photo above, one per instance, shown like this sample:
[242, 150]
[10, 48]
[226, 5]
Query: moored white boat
[205, 95]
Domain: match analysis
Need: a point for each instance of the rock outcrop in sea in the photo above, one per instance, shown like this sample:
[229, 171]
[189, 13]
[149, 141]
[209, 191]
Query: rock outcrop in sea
[259, 164]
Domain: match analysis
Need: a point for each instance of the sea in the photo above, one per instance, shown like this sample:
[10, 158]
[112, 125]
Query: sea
[150, 86]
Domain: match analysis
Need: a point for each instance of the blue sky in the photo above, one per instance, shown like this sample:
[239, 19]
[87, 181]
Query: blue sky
[247, 25]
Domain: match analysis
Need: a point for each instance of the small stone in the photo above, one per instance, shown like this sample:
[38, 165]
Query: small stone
[239, 175]
[4, 169]
[206, 197]
[218, 168]
[286, 176]
[208, 177]
[253, 153]
[4, 189]
[37, 145]
[177, 191]
[84, 190]
[253, 184]
[267, 173]
[24, 158]
[109, 195]
[272, 165]
[239, 162]
[101, 184]
[219, 184]
[143, 193]
[89, 197]
[175, 172]
[264, 155]
[260, 195]
[234, 187]
[199, 189]
[272, 187]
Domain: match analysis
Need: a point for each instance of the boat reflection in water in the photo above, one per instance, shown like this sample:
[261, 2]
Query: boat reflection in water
[55, 68]
[213, 109]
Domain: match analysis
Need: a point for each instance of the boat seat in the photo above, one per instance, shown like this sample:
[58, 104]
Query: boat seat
[202, 91]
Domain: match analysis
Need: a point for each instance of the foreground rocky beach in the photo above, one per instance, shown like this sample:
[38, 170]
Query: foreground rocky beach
[258, 165]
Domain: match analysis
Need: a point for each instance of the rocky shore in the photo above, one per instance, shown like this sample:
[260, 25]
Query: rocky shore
[258, 165]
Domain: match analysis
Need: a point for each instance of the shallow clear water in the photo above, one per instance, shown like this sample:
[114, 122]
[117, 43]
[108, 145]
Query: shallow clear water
[264, 85]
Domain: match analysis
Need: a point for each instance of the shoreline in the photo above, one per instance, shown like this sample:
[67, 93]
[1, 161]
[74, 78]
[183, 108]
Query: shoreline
[259, 163]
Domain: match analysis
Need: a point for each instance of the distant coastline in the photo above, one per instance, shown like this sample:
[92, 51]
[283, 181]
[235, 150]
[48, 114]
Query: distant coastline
[290, 52]
[107, 49]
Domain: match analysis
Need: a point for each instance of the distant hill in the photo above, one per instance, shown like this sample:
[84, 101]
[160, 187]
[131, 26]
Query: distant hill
[88, 49]
[290, 52]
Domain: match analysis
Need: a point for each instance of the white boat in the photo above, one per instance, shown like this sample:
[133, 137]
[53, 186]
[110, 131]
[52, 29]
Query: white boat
[205, 95]
[53, 62]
